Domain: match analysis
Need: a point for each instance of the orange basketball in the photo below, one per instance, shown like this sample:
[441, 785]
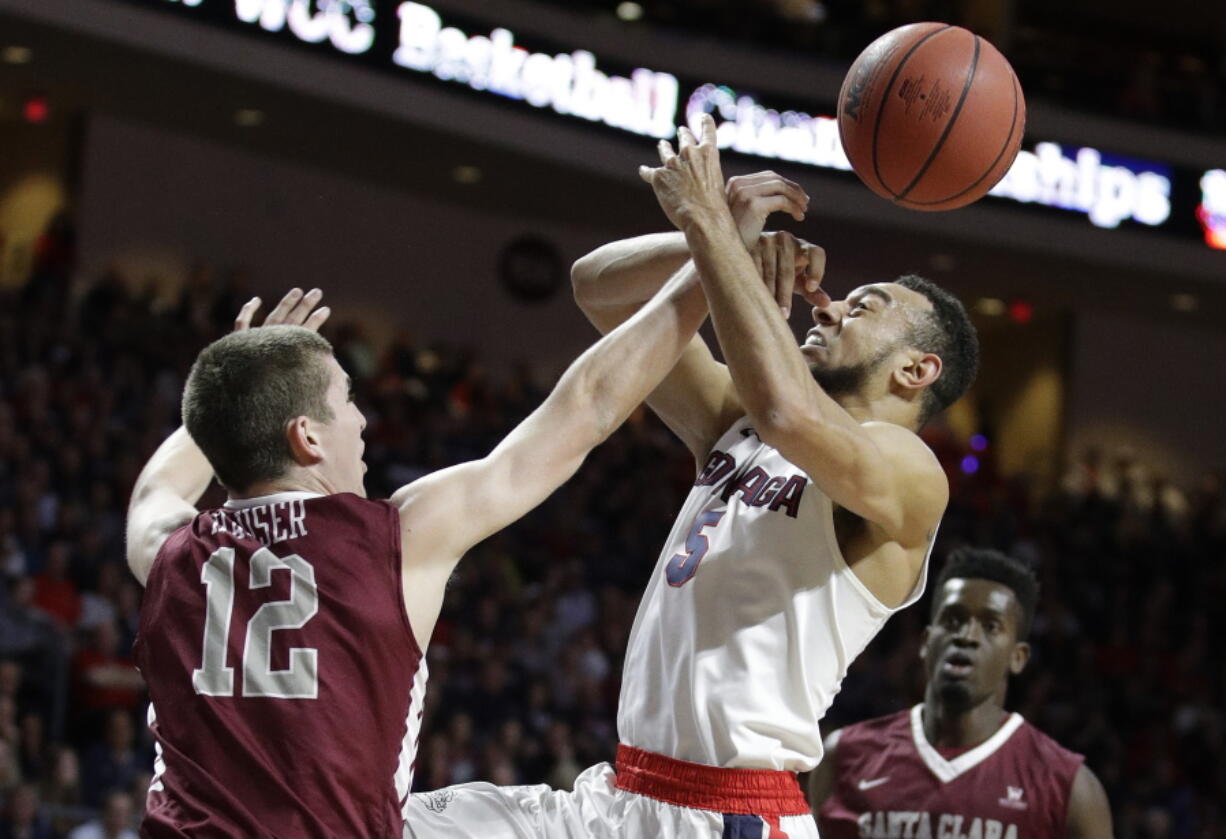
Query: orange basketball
[931, 116]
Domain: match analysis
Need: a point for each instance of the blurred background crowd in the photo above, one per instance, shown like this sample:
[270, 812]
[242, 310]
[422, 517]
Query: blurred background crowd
[1089, 56]
[526, 658]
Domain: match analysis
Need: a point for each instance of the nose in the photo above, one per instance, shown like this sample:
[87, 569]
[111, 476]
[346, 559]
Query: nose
[969, 634]
[827, 315]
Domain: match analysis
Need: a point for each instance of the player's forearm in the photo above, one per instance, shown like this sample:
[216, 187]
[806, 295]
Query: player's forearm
[772, 380]
[613, 280]
[178, 466]
[618, 373]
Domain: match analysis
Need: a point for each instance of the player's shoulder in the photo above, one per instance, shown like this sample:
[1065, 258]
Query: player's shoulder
[1046, 748]
[351, 500]
[347, 507]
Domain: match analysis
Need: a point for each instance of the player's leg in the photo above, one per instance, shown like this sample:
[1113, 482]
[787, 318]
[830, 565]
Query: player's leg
[485, 811]
[794, 827]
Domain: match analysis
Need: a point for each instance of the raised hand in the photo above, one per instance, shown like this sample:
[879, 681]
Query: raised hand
[295, 309]
[689, 183]
[752, 198]
[788, 266]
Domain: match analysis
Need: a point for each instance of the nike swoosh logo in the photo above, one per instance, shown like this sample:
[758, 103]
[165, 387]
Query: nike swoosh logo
[876, 782]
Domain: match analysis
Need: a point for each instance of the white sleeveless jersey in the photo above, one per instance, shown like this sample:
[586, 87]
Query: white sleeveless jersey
[750, 620]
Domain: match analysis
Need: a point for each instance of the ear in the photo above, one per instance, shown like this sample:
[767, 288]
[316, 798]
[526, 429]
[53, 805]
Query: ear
[923, 650]
[919, 370]
[304, 442]
[1019, 657]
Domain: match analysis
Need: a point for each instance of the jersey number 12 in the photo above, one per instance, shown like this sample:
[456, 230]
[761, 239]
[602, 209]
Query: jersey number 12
[214, 678]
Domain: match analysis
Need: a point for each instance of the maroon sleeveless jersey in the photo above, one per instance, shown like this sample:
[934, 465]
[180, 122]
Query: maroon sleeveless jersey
[284, 679]
[890, 782]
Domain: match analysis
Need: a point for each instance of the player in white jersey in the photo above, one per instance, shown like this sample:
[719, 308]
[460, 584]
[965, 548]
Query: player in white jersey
[809, 523]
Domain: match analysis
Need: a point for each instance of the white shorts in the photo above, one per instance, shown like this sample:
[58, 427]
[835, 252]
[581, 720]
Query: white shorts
[596, 808]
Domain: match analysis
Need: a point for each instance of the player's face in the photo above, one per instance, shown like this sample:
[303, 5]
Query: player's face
[855, 338]
[342, 437]
[971, 646]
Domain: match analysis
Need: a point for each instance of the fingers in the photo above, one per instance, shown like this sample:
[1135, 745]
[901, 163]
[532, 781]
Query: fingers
[685, 142]
[745, 188]
[282, 309]
[317, 318]
[295, 309]
[785, 271]
[764, 205]
[815, 271]
[709, 132]
[243, 321]
[298, 315]
[666, 153]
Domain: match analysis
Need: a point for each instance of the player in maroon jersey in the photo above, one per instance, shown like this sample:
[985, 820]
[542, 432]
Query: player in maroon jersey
[958, 766]
[282, 635]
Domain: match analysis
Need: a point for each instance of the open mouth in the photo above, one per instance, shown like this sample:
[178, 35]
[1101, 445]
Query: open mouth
[814, 339]
[957, 665]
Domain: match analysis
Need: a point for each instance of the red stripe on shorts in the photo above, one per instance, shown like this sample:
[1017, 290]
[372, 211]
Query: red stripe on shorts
[754, 792]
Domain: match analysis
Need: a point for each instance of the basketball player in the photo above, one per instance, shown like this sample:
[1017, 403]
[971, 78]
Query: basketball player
[282, 635]
[958, 764]
[808, 525]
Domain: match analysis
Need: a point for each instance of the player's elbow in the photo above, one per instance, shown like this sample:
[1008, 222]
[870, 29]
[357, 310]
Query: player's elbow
[782, 424]
[584, 276]
[583, 403]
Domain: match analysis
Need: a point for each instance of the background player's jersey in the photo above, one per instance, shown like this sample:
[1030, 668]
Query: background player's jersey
[890, 781]
[749, 621]
[285, 681]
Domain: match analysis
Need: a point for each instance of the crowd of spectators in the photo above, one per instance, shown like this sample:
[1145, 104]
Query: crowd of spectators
[526, 659]
[1061, 54]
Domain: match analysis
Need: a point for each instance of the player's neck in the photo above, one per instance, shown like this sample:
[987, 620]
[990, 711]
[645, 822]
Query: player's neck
[945, 727]
[297, 480]
[883, 407]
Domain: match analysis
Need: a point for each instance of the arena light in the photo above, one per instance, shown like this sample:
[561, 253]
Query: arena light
[1184, 302]
[1108, 190]
[347, 24]
[1106, 193]
[35, 110]
[1021, 311]
[990, 306]
[1212, 210]
[570, 83]
[16, 55]
[750, 128]
[248, 117]
[467, 175]
[629, 11]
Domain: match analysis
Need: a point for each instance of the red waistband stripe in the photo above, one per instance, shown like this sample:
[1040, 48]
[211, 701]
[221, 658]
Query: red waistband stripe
[761, 792]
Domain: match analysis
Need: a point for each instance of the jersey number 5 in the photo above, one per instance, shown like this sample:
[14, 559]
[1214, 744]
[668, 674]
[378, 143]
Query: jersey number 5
[682, 566]
[214, 678]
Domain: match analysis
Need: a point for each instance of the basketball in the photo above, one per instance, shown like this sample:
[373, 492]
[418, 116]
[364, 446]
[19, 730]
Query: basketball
[931, 116]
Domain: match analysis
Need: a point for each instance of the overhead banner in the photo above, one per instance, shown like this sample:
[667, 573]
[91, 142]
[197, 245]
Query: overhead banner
[1106, 189]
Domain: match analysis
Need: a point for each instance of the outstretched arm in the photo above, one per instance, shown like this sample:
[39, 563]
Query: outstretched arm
[697, 399]
[446, 513]
[882, 473]
[167, 489]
